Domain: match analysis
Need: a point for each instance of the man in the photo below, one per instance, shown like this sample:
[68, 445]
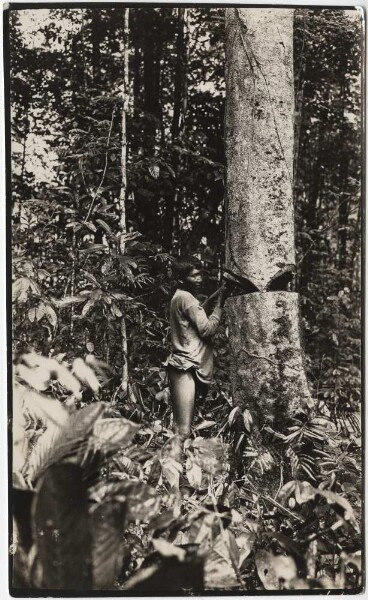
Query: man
[190, 363]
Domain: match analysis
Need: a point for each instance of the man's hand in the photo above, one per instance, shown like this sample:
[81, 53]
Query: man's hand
[223, 293]
[219, 295]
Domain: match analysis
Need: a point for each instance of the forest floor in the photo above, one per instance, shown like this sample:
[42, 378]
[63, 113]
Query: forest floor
[135, 509]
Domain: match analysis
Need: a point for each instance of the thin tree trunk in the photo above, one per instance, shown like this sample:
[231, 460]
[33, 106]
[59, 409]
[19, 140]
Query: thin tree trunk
[268, 374]
[123, 187]
[22, 171]
[161, 92]
[72, 281]
[355, 252]
[24, 153]
[178, 120]
[158, 109]
[149, 81]
[316, 186]
[186, 55]
[83, 52]
[344, 200]
[136, 81]
[180, 85]
[314, 198]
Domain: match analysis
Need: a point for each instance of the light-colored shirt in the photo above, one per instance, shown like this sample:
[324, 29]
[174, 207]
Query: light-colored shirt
[191, 332]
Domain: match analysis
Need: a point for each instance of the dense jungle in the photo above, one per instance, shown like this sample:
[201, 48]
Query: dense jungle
[117, 167]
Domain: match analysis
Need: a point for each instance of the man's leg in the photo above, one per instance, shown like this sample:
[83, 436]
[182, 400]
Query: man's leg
[182, 392]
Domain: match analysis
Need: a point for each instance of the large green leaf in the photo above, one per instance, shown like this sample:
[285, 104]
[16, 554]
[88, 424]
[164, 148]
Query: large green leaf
[168, 549]
[193, 472]
[210, 454]
[19, 562]
[341, 506]
[171, 470]
[62, 529]
[108, 548]
[60, 442]
[21, 503]
[275, 571]
[168, 575]
[51, 369]
[20, 289]
[68, 301]
[85, 374]
[219, 571]
[113, 432]
[142, 501]
[36, 407]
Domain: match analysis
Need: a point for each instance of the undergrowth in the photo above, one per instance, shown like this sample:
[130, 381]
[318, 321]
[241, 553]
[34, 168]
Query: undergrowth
[106, 497]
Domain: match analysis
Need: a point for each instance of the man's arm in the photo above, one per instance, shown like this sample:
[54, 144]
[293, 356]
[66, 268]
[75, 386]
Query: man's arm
[207, 326]
[223, 291]
[207, 303]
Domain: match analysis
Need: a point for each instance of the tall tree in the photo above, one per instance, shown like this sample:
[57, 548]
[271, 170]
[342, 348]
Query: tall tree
[123, 187]
[178, 120]
[52, 112]
[268, 375]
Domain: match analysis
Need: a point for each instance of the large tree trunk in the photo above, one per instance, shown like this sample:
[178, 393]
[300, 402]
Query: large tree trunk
[259, 143]
[268, 373]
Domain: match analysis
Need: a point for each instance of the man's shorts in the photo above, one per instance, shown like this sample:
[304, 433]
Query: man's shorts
[201, 388]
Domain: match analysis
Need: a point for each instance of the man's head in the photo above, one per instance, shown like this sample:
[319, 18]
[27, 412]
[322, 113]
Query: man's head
[188, 272]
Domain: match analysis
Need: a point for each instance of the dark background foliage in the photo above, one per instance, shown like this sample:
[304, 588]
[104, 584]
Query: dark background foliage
[66, 73]
[72, 285]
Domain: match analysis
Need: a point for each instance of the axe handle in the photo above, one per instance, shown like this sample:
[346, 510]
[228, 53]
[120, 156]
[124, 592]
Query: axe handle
[208, 300]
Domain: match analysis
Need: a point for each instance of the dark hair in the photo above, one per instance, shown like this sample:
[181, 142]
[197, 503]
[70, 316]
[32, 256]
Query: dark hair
[182, 266]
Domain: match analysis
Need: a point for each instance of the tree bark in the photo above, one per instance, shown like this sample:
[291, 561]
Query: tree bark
[123, 186]
[267, 374]
[267, 369]
[259, 144]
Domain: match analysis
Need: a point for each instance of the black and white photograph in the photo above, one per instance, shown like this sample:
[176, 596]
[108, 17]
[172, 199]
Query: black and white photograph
[184, 198]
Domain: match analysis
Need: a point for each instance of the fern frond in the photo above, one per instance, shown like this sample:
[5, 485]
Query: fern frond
[304, 467]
